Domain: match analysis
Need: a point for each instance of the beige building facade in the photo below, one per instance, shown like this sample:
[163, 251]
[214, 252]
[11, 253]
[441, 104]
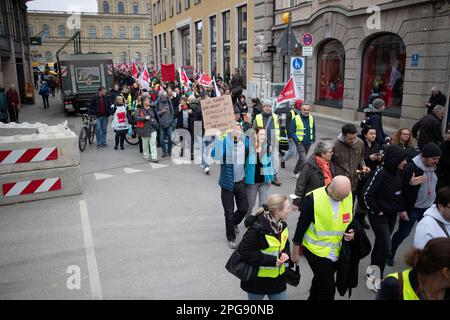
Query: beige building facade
[399, 49]
[212, 36]
[121, 27]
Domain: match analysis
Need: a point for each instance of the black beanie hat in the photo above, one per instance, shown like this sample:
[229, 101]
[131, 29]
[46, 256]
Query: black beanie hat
[431, 150]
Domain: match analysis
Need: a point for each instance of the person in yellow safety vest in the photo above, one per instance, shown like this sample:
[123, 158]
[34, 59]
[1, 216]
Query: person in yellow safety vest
[303, 132]
[289, 118]
[269, 120]
[326, 214]
[427, 279]
[265, 244]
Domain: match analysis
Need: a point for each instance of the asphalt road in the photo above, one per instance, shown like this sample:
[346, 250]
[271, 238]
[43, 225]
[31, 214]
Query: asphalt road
[138, 231]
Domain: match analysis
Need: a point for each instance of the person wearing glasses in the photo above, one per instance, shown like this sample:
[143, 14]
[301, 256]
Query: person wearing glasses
[403, 138]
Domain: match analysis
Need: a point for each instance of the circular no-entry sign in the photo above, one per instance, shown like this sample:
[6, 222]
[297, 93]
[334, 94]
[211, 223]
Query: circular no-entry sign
[307, 39]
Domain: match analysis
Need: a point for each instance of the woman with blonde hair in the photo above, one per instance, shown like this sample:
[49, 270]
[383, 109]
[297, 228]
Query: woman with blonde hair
[403, 138]
[266, 246]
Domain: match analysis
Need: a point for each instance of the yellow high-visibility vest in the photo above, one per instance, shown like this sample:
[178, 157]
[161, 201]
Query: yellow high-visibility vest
[300, 131]
[326, 233]
[260, 123]
[408, 291]
[274, 249]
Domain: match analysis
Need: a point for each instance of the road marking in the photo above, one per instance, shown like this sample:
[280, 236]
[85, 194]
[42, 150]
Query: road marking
[101, 176]
[158, 166]
[130, 170]
[181, 161]
[94, 279]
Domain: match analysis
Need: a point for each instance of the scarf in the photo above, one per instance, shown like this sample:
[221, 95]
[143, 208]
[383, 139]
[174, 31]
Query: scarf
[277, 226]
[325, 167]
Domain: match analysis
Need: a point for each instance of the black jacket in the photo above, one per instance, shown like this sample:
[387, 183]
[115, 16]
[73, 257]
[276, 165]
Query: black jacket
[427, 129]
[439, 99]
[410, 192]
[368, 151]
[348, 264]
[250, 248]
[375, 120]
[95, 104]
[383, 190]
[444, 165]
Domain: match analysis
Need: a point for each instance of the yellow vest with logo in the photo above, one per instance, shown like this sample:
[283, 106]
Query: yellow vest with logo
[274, 249]
[300, 131]
[260, 123]
[408, 291]
[326, 233]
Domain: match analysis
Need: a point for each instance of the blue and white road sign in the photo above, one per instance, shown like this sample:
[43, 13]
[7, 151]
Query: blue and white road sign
[297, 63]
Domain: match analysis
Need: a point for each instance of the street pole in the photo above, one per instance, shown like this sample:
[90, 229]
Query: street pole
[261, 75]
[289, 44]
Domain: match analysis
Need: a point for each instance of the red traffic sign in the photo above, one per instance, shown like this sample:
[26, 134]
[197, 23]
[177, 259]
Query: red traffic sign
[307, 39]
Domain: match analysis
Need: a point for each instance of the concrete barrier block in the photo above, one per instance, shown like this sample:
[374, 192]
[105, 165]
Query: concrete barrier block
[40, 184]
[24, 128]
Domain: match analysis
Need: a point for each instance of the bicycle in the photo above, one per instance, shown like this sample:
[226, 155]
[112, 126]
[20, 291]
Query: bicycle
[131, 136]
[87, 131]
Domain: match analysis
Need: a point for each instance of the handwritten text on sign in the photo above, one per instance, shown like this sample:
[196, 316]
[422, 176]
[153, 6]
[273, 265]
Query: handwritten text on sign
[218, 114]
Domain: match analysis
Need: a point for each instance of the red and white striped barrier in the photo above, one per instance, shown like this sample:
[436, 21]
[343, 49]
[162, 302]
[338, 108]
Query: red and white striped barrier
[64, 71]
[31, 186]
[110, 69]
[28, 155]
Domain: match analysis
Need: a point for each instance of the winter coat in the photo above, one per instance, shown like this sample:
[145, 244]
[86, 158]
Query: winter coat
[427, 129]
[444, 165]
[368, 151]
[348, 264]
[44, 90]
[311, 177]
[219, 152]
[165, 118]
[383, 190]
[428, 228]
[348, 158]
[3, 107]
[95, 106]
[375, 120]
[12, 97]
[113, 94]
[251, 163]
[237, 84]
[252, 243]
[190, 120]
[149, 127]
[438, 99]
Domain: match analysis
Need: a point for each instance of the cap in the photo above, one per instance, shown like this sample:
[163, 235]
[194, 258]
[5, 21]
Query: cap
[431, 150]
[377, 103]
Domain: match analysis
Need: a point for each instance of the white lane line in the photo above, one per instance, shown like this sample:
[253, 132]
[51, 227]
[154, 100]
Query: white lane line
[94, 279]
[131, 170]
[102, 176]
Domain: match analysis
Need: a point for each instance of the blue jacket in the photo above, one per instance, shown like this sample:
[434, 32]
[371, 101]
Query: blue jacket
[375, 120]
[219, 152]
[44, 91]
[250, 164]
[306, 139]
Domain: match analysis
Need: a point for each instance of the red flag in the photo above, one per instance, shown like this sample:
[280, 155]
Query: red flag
[184, 78]
[289, 92]
[145, 75]
[168, 72]
[205, 80]
[134, 71]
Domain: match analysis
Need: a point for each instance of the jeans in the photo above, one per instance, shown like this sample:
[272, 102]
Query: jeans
[404, 229]
[302, 151]
[100, 127]
[166, 132]
[120, 137]
[291, 152]
[252, 191]
[205, 143]
[323, 284]
[233, 218]
[382, 227]
[272, 296]
[149, 146]
[45, 100]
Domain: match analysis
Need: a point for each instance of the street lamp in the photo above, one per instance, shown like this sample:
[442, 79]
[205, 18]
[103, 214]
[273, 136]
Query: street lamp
[261, 47]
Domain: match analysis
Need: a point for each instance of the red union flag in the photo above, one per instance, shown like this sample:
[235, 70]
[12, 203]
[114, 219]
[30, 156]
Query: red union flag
[205, 80]
[184, 78]
[145, 74]
[134, 71]
[289, 92]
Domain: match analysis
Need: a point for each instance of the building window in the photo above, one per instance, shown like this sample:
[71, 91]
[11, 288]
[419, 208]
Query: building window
[136, 33]
[164, 48]
[137, 57]
[123, 57]
[199, 46]
[156, 50]
[46, 30]
[105, 7]
[330, 74]
[213, 42]
[163, 9]
[178, 6]
[61, 31]
[122, 33]
[155, 18]
[242, 43]
[135, 8]
[159, 11]
[48, 56]
[226, 46]
[383, 72]
[120, 8]
[92, 32]
[187, 4]
[171, 8]
[108, 33]
[172, 46]
[160, 49]
[186, 46]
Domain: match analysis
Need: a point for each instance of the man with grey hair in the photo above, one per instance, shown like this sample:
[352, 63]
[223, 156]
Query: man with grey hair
[436, 98]
[165, 112]
[428, 129]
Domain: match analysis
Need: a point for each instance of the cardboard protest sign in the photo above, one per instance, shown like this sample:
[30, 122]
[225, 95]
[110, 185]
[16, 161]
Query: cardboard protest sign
[217, 114]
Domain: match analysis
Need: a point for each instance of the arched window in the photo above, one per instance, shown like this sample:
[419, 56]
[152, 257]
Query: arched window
[62, 31]
[120, 8]
[137, 57]
[48, 56]
[135, 8]
[92, 32]
[136, 32]
[383, 72]
[123, 57]
[108, 32]
[122, 33]
[105, 7]
[330, 74]
[46, 32]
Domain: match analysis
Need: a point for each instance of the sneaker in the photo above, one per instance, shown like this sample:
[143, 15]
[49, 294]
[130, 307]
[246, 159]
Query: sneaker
[232, 244]
[115, 148]
[283, 164]
[207, 170]
[122, 148]
[147, 159]
[276, 182]
[390, 261]
[164, 155]
[371, 279]
[295, 175]
[155, 161]
[236, 229]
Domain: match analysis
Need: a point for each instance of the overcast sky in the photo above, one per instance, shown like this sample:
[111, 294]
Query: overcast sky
[63, 5]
